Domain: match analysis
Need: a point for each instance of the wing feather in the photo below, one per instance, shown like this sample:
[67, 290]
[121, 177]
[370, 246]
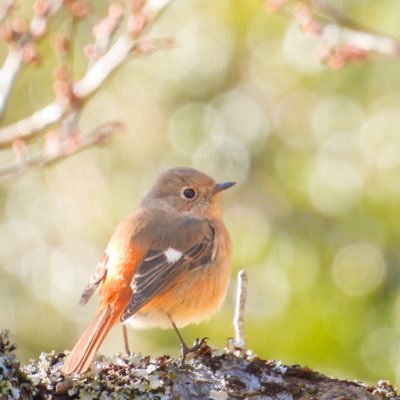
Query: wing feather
[98, 275]
[157, 273]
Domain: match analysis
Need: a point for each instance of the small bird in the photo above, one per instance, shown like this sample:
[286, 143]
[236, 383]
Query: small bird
[166, 265]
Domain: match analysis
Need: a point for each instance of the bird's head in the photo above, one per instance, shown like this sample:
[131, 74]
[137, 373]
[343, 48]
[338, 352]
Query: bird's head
[187, 190]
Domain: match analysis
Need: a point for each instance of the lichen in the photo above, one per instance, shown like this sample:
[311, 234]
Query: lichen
[13, 383]
[208, 374]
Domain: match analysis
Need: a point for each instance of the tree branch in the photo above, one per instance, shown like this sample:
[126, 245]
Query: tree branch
[344, 39]
[57, 150]
[104, 57]
[212, 374]
[5, 8]
[8, 72]
[19, 47]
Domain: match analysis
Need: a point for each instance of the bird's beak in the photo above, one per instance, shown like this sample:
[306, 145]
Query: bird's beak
[219, 187]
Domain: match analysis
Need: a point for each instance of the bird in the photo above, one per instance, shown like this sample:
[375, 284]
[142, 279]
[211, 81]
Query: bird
[167, 264]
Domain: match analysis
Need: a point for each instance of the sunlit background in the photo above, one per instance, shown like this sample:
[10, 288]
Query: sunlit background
[314, 217]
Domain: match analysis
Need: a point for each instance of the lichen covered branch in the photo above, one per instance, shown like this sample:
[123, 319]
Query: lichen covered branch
[211, 374]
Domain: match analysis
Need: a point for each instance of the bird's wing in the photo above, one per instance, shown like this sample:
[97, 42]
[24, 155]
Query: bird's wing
[117, 247]
[187, 243]
[97, 276]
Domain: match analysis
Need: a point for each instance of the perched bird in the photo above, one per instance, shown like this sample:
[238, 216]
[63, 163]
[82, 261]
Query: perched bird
[166, 265]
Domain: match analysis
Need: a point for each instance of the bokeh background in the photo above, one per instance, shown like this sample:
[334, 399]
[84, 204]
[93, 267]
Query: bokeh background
[242, 96]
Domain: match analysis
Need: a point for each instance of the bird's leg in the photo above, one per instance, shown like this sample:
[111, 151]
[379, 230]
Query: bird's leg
[126, 342]
[185, 349]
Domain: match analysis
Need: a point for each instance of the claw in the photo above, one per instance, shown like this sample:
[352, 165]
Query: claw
[185, 350]
[198, 343]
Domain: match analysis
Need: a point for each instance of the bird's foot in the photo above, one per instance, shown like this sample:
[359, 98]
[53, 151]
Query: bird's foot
[185, 349]
[198, 344]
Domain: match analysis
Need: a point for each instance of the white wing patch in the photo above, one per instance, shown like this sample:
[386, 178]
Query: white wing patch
[172, 255]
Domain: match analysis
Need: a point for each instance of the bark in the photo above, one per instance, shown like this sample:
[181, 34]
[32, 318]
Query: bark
[209, 374]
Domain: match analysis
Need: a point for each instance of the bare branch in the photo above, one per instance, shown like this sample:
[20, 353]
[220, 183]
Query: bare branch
[104, 32]
[104, 66]
[344, 39]
[36, 122]
[57, 150]
[18, 51]
[39, 22]
[335, 34]
[8, 72]
[5, 7]
[328, 11]
[85, 87]
[104, 57]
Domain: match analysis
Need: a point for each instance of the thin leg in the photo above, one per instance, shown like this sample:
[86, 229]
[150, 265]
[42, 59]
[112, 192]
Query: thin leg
[126, 342]
[185, 349]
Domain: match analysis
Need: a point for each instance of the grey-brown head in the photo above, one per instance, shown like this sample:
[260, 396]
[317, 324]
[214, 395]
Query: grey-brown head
[187, 190]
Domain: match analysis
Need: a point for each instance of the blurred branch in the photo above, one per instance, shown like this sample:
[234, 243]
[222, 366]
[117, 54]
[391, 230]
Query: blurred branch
[94, 78]
[344, 40]
[20, 49]
[8, 72]
[104, 57]
[327, 10]
[56, 150]
[104, 66]
[5, 8]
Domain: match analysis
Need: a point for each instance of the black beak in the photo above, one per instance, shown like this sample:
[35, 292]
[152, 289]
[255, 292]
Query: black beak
[219, 187]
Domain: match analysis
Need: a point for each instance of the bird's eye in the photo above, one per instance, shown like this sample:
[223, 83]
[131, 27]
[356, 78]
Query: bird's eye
[189, 193]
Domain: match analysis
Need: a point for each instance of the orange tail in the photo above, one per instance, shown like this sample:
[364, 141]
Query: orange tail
[84, 351]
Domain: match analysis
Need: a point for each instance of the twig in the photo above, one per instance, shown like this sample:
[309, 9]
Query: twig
[103, 67]
[344, 40]
[15, 58]
[327, 10]
[363, 40]
[238, 319]
[104, 32]
[57, 151]
[104, 57]
[8, 72]
[117, 53]
[5, 7]
[36, 122]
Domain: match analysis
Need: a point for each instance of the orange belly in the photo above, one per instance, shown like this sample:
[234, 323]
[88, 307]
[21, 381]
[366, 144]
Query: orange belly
[191, 301]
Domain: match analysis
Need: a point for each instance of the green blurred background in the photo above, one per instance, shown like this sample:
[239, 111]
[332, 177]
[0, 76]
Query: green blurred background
[315, 214]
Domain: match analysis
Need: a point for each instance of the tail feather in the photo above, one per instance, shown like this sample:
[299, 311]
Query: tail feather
[84, 351]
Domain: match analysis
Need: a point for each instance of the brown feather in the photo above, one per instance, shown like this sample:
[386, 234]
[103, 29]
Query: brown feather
[84, 351]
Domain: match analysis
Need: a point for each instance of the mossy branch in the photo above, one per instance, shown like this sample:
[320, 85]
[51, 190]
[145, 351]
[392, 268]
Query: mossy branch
[210, 374]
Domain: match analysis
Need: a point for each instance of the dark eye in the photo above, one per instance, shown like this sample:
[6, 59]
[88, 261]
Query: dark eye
[189, 193]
